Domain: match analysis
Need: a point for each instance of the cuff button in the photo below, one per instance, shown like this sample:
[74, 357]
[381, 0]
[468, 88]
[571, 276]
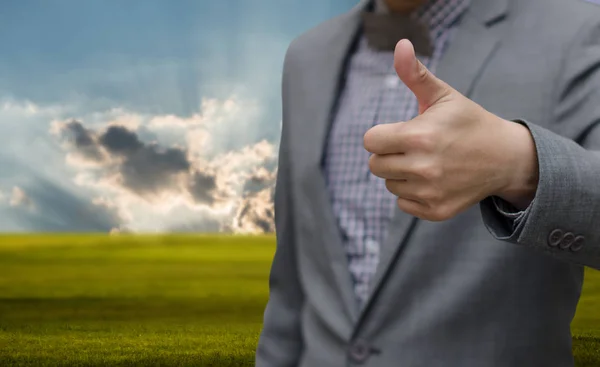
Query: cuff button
[567, 240]
[577, 243]
[555, 237]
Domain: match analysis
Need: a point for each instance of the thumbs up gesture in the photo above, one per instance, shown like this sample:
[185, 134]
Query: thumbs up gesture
[453, 154]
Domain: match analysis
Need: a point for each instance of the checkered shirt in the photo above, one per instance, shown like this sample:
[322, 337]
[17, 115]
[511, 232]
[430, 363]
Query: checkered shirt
[373, 94]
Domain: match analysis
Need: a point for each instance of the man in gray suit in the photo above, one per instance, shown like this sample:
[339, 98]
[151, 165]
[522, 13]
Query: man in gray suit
[457, 237]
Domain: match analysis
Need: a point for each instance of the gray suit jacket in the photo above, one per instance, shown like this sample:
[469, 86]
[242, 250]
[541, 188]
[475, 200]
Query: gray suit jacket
[475, 290]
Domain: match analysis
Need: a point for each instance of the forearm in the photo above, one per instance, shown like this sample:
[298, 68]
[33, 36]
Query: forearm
[563, 217]
[566, 205]
[522, 159]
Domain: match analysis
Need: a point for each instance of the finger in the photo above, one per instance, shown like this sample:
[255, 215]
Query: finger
[406, 189]
[412, 207]
[385, 139]
[426, 87]
[390, 166]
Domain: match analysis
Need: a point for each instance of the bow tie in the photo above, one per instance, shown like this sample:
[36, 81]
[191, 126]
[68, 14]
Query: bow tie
[383, 31]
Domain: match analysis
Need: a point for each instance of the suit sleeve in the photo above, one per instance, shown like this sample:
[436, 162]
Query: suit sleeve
[280, 342]
[563, 220]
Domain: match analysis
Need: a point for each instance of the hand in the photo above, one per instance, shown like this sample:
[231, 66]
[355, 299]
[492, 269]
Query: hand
[454, 154]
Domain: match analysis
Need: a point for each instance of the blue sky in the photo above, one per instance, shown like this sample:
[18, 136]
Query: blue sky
[143, 115]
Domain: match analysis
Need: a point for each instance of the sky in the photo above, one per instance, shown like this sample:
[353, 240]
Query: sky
[144, 115]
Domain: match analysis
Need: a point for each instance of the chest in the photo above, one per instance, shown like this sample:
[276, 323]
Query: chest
[506, 74]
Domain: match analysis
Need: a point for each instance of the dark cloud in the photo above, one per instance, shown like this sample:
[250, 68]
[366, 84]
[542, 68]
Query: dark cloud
[259, 180]
[147, 169]
[150, 170]
[119, 140]
[256, 183]
[256, 213]
[256, 207]
[203, 188]
[83, 140]
[266, 224]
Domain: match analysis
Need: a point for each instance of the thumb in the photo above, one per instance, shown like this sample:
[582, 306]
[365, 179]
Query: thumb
[426, 87]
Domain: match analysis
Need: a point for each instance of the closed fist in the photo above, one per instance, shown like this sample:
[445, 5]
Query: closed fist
[454, 154]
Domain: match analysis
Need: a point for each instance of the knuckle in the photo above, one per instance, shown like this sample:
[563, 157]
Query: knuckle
[422, 73]
[372, 139]
[380, 166]
[391, 186]
[373, 166]
[410, 209]
[440, 213]
[368, 142]
[423, 140]
[429, 171]
[430, 195]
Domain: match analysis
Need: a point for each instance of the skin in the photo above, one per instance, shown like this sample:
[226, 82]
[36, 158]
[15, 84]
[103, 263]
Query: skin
[403, 6]
[454, 154]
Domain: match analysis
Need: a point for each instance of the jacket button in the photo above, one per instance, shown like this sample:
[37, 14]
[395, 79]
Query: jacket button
[359, 352]
[555, 237]
[567, 240]
[577, 243]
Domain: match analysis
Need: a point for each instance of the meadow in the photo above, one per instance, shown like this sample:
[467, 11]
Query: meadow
[178, 300]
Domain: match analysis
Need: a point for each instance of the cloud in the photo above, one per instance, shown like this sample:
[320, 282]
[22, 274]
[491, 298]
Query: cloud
[20, 199]
[147, 170]
[120, 141]
[256, 213]
[147, 181]
[259, 180]
[152, 76]
[59, 209]
[196, 225]
[84, 141]
[202, 187]
[28, 108]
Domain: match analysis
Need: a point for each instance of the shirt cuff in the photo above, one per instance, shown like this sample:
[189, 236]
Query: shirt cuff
[508, 210]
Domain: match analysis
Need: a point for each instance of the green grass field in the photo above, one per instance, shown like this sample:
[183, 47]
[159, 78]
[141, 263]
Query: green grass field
[157, 301]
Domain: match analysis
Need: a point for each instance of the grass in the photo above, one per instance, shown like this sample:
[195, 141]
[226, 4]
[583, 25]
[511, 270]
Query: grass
[157, 301]
[147, 301]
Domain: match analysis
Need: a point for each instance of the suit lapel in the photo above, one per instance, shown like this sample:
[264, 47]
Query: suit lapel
[327, 77]
[470, 47]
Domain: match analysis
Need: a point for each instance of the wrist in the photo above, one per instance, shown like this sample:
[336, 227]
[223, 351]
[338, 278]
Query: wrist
[520, 165]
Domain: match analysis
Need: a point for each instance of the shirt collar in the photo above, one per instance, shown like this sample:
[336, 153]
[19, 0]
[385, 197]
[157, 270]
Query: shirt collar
[437, 14]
